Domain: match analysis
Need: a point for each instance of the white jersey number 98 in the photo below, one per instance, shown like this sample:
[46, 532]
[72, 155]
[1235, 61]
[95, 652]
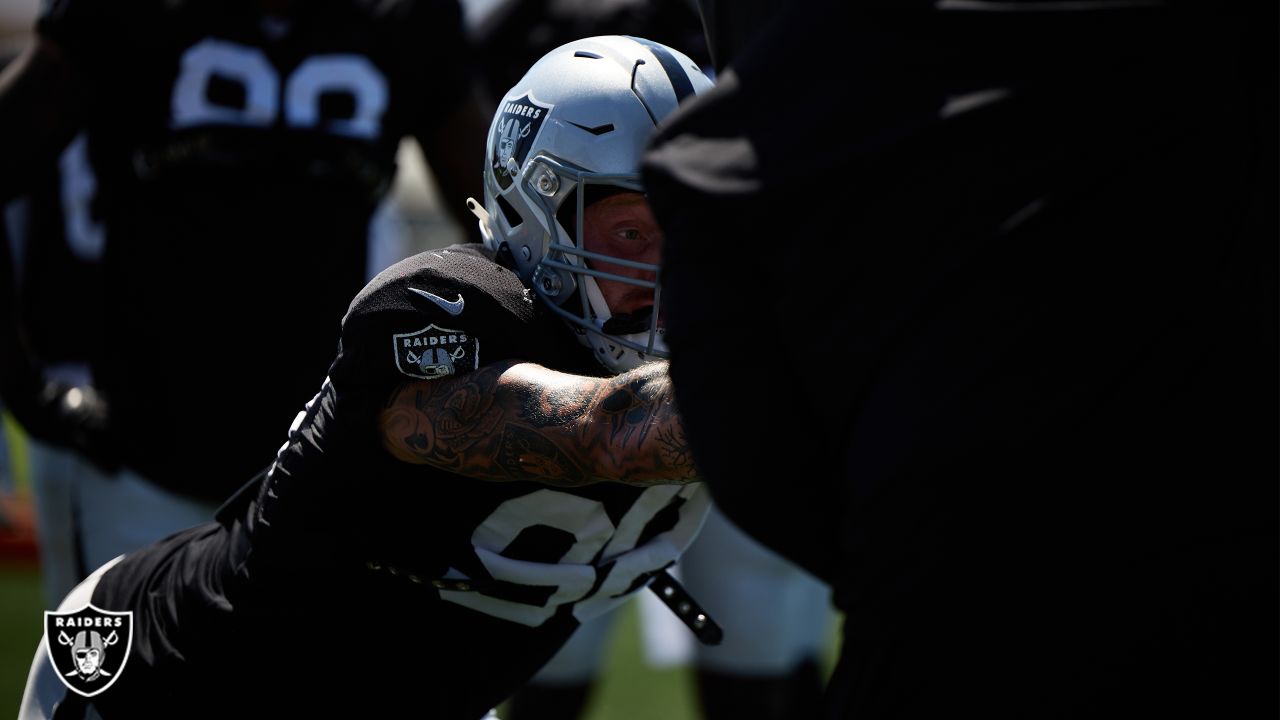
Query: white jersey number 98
[249, 68]
[574, 576]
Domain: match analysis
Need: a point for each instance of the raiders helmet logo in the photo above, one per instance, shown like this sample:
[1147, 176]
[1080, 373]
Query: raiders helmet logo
[88, 647]
[435, 352]
[513, 135]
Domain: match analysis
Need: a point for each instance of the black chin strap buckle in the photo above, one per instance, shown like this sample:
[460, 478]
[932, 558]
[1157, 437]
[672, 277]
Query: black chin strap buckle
[673, 594]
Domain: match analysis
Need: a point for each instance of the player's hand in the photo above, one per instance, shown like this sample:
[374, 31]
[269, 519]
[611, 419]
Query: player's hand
[77, 417]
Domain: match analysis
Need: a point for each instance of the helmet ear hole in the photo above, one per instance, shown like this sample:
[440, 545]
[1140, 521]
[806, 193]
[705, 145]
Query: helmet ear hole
[508, 213]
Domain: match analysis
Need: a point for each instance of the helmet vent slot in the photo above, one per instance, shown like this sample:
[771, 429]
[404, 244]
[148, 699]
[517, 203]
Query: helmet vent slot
[588, 55]
[597, 130]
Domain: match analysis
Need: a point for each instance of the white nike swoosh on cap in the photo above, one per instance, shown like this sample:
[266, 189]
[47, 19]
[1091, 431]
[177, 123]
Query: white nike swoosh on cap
[453, 307]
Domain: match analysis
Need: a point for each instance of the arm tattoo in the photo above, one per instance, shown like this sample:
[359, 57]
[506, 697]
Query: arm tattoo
[519, 421]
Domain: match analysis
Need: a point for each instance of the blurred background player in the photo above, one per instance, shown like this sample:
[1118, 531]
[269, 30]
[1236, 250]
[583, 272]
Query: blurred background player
[1032, 248]
[18, 545]
[55, 285]
[240, 152]
[57, 250]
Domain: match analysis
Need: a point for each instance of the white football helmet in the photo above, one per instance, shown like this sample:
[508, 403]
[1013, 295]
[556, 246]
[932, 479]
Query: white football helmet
[580, 118]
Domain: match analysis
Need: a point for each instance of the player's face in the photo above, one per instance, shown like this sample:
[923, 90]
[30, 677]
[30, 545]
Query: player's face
[623, 226]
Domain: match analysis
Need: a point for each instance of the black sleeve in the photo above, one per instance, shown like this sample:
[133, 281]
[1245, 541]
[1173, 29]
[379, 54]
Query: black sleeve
[431, 316]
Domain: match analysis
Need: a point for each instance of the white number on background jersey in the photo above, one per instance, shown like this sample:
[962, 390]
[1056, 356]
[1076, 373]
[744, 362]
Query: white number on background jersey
[574, 575]
[249, 68]
[85, 236]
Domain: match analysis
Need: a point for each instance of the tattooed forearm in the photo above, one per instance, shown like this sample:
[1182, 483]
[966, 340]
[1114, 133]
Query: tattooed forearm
[525, 453]
[438, 422]
[518, 421]
[674, 447]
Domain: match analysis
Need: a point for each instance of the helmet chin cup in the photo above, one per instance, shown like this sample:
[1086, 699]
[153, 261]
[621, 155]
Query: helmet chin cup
[621, 353]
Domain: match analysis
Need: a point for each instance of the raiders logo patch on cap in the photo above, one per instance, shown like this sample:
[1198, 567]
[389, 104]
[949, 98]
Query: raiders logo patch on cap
[435, 352]
[513, 135]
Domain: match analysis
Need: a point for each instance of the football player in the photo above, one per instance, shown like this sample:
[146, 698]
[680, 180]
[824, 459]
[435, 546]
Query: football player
[59, 277]
[239, 151]
[442, 494]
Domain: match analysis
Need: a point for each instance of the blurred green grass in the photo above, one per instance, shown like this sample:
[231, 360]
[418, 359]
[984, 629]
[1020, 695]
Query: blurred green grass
[21, 617]
[630, 689]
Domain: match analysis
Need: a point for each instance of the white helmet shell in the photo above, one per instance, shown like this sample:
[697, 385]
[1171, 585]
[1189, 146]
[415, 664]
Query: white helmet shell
[581, 116]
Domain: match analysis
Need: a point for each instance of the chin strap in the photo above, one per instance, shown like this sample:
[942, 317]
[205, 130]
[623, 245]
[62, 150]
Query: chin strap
[486, 222]
[675, 597]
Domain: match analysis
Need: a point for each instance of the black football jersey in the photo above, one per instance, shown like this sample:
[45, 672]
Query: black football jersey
[60, 277]
[493, 576]
[239, 157]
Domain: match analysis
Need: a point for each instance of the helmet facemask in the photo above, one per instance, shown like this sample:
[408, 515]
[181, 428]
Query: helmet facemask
[566, 276]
